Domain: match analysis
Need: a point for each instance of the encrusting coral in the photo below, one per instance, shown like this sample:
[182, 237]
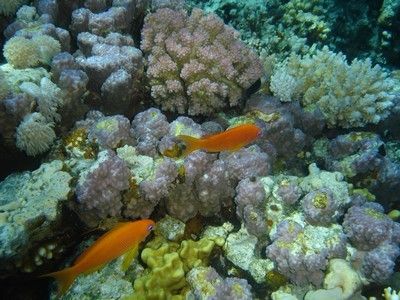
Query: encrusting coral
[168, 263]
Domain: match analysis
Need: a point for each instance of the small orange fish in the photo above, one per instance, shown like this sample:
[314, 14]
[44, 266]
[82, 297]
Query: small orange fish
[124, 238]
[231, 139]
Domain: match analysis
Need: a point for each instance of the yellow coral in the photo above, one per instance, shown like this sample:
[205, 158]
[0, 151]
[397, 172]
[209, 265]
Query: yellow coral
[168, 262]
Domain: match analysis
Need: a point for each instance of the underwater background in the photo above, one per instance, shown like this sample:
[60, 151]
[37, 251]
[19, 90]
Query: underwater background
[96, 96]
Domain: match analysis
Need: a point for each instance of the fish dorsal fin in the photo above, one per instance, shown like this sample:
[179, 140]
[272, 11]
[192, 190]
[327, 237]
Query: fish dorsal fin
[128, 258]
[99, 240]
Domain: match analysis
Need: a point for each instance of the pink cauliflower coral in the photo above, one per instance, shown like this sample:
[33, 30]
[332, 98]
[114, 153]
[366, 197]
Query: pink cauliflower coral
[196, 64]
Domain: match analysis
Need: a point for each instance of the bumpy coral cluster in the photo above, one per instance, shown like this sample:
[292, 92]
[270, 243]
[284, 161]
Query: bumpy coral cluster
[98, 190]
[196, 63]
[299, 256]
[370, 230]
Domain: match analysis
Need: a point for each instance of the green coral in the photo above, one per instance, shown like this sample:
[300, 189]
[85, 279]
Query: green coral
[168, 262]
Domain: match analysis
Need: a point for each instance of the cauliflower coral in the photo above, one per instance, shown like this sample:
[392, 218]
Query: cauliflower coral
[196, 64]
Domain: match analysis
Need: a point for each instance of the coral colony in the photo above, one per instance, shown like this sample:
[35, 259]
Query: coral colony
[118, 113]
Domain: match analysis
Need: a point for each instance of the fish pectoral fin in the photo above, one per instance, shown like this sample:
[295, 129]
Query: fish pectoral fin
[94, 269]
[236, 148]
[128, 258]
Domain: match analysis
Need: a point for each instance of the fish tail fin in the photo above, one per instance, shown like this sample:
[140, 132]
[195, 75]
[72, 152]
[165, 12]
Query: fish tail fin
[191, 143]
[64, 278]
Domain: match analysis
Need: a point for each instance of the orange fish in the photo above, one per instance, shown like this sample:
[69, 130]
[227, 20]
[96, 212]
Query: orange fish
[231, 139]
[124, 238]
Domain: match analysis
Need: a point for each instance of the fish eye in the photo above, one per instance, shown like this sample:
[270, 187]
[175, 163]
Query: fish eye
[150, 228]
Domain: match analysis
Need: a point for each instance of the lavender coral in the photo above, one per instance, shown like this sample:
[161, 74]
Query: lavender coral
[367, 226]
[111, 132]
[249, 199]
[302, 253]
[320, 207]
[99, 188]
[209, 285]
[379, 264]
[148, 127]
[196, 63]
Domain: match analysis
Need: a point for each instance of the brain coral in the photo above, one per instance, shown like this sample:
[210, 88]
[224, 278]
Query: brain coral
[196, 64]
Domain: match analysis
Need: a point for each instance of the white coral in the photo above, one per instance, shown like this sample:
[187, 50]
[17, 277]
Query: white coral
[48, 97]
[349, 95]
[35, 135]
[283, 85]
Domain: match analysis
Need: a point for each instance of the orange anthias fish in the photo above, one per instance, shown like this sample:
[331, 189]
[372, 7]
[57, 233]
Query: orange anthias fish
[124, 238]
[229, 140]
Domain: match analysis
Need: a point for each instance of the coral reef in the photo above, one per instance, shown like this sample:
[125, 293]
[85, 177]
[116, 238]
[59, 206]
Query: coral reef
[95, 96]
[362, 29]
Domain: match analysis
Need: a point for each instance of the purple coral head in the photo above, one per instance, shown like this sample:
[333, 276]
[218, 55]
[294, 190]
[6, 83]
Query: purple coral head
[367, 226]
[378, 264]
[111, 132]
[302, 254]
[99, 188]
[148, 127]
[247, 162]
[289, 192]
[287, 231]
[320, 207]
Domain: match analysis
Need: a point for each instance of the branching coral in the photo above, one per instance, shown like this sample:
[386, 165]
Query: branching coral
[349, 95]
[196, 63]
